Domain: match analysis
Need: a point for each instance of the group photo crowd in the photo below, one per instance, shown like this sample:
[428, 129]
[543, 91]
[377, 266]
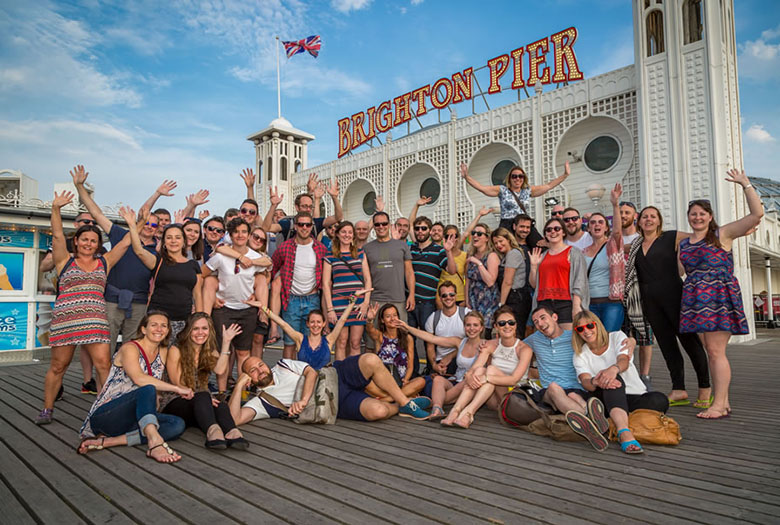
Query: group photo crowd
[411, 317]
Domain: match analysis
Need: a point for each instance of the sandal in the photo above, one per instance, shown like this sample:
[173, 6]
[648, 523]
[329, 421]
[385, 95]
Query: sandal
[704, 403]
[466, 426]
[453, 411]
[89, 448]
[436, 414]
[679, 402]
[168, 449]
[625, 444]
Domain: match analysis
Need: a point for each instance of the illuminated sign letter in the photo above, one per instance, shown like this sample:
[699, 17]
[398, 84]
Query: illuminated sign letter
[370, 119]
[402, 110]
[358, 135]
[536, 59]
[517, 60]
[565, 54]
[420, 94]
[345, 138]
[462, 87]
[441, 104]
[497, 68]
[384, 120]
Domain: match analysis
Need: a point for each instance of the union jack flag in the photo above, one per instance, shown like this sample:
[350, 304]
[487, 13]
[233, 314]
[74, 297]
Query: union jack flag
[310, 44]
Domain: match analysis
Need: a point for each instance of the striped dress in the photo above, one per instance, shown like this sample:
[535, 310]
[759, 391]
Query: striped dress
[79, 316]
[345, 283]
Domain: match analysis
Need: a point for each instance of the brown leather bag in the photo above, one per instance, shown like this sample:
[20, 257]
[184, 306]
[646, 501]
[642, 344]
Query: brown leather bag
[519, 410]
[650, 427]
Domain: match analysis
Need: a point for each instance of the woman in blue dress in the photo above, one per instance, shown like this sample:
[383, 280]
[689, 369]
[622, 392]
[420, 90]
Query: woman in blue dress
[711, 298]
[482, 286]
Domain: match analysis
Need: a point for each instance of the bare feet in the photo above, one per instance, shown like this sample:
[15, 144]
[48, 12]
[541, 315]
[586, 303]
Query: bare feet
[714, 413]
[464, 420]
[162, 453]
[450, 419]
[679, 395]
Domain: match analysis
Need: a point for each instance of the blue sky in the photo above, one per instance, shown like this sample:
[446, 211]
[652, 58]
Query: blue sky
[143, 91]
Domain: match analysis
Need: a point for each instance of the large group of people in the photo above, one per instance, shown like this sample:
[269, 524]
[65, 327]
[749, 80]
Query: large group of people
[412, 321]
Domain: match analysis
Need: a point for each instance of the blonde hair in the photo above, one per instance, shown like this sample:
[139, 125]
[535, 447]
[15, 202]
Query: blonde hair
[509, 174]
[503, 232]
[585, 316]
[472, 248]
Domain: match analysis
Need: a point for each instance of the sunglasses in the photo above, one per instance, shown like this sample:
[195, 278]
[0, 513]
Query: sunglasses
[504, 323]
[556, 213]
[581, 328]
[551, 229]
[258, 238]
[516, 176]
[705, 202]
[571, 219]
[479, 234]
[381, 224]
[304, 224]
[421, 228]
[152, 224]
[248, 211]
[88, 222]
[213, 229]
[446, 295]
[627, 203]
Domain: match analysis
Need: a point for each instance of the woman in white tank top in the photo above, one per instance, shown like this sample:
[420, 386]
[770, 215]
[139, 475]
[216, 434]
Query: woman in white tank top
[488, 383]
[446, 389]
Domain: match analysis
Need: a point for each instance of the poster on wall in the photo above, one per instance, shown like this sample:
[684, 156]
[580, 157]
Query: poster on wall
[11, 271]
[13, 326]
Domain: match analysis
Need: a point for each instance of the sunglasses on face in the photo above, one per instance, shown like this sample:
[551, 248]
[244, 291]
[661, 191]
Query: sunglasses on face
[503, 323]
[581, 328]
[421, 228]
[551, 229]
[571, 219]
[88, 222]
[516, 176]
[446, 295]
[303, 224]
[380, 224]
[248, 211]
[258, 238]
[151, 224]
[556, 213]
[479, 234]
[213, 229]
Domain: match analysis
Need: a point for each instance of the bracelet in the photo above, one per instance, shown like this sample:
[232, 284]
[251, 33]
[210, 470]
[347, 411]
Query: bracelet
[746, 187]
[331, 310]
[225, 353]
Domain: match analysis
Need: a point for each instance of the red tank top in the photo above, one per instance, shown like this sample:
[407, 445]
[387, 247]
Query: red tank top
[554, 277]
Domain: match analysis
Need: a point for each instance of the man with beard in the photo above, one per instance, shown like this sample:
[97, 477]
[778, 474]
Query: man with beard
[575, 236]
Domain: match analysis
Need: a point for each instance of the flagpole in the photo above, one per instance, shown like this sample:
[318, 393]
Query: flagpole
[278, 83]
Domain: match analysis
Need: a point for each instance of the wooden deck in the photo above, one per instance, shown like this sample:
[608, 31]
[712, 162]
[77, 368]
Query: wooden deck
[399, 471]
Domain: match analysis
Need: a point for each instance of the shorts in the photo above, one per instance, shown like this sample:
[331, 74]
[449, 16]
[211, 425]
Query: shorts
[352, 384]
[538, 395]
[427, 390]
[298, 308]
[561, 307]
[245, 318]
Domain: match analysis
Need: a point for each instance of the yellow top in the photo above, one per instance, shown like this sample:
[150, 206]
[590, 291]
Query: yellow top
[458, 279]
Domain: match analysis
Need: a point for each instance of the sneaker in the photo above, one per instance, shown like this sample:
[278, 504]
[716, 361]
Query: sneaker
[45, 417]
[647, 380]
[89, 387]
[597, 415]
[411, 409]
[60, 393]
[423, 402]
[586, 428]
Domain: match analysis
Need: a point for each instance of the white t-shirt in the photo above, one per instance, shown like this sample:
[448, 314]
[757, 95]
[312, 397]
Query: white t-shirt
[628, 239]
[286, 374]
[234, 288]
[582, 243]
[304, 271]
[451, 326]
[589, 363]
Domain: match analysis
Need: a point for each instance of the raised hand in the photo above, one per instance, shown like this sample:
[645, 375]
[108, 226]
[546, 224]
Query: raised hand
[464, 170]
[200, 197]
[127, 213]
[394, 233]
[614, 195]
[248, 176]
[737, 176]
[143, 213]
[485, 211]
[230, 332]
[204, 214]
[276, 197]
[372, 311]
[178, 217]
[535, 256]
[79, 175]
[449, 243]
[319, 191]
[62, 199]
[333, 188]
[166, 188]
[312, 183]
[379, 203]
[422, 201]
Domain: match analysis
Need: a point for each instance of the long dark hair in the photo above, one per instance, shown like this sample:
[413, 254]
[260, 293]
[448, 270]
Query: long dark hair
[191, 377]
[337, 242]
[712, 228]
[145, 321]
[164, 251]
[197, 248]
[84, 229]
[402, 334]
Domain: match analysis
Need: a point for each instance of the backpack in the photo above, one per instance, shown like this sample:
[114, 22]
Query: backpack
[437, 317]
[323, 406]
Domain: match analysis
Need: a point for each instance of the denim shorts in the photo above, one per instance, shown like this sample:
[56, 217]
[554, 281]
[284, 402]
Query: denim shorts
[297, 310]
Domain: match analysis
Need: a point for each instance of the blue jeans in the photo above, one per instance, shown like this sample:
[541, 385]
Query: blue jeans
[297, 310]
[129, 415]
[611, 315]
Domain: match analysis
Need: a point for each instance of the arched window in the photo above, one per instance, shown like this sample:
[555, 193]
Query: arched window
[298, 166]
[283, 166]
[260, 171]
[430, 188]
[655, 33]
[692, 21]
[270, 168]
[369, 206]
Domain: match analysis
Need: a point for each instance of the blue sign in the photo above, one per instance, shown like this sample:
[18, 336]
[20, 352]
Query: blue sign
[11, 271]
[13, 326]
[16, 239]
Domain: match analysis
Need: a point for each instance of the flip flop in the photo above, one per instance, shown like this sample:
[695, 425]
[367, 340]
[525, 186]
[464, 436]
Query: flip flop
[679, 402]
[704, 403]
[92, 447]
[168, 449]
[436, 414]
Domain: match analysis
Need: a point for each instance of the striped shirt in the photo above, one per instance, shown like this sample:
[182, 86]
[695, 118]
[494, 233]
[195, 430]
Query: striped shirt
[555, 358]
[428, 263]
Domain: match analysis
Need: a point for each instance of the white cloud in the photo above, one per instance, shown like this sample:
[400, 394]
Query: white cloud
[345, 6]
[145, 43]
[759, 59]
[417, 2]
[52, 132]
[757, 133]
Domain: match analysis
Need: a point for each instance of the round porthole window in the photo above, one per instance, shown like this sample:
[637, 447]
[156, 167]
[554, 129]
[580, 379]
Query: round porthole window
[430, 188]
[500, 171]
[369, 206]
[602, 153]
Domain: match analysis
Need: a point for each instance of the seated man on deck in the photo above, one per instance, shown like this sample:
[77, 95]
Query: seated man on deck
[355, 373]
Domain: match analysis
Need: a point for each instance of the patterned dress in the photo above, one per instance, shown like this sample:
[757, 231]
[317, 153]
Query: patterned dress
[80, 309]
[482, 298]
[345, 282]
[390, 354]
[711, 298]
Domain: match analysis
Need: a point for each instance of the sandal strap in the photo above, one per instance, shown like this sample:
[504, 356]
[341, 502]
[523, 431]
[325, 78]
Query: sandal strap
[623, 430]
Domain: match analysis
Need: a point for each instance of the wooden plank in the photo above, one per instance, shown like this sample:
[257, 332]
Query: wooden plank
[12, 509]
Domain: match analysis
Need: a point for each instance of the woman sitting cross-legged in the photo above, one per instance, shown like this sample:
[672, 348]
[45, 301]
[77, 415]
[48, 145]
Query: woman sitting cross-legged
[447, 389]
[394, 346]
[606, 369]
[314, 348]
[125, 411]
[190, 363]
[509, 358]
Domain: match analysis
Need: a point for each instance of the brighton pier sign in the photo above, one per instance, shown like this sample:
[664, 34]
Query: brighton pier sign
[364, 126]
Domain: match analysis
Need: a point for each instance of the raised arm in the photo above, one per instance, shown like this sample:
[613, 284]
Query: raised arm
[741, 227]
[477, 219]
[241, 415]
[295, 335]
[59, 248]
[194, 200]
[490, 191]
[617, 230]
[338, 213]
[248, 176]
[149, 260]
[228, 334]
[79, 178]
[422, 201]
[538, 191]
[268, 222]
[164, 190]
[535, 257]
[372, 331]
[334, 334]
[429, 337]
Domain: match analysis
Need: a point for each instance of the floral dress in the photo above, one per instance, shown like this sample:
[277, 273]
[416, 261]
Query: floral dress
[482, 298]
